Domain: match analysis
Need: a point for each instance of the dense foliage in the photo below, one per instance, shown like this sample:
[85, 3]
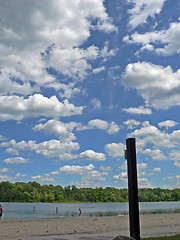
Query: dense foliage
[34, 192]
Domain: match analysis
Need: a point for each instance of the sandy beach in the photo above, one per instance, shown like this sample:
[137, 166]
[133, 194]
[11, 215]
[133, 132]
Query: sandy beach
[87, 228]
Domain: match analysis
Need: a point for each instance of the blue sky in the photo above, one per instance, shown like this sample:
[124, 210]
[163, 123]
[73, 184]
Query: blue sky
[77, 78]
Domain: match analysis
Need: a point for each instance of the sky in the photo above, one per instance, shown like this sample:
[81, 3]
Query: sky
[79, 77]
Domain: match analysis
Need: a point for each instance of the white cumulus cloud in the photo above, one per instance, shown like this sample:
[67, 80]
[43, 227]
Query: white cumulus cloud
[131, 123]
[154, 83]
[167, 124]
[139, 110]
[93, 156]
[60, 129]
[36, 36]
[76, 169]
[16, 160]
[17, 108]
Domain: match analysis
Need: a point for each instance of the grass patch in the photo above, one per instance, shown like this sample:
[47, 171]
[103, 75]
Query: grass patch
[174, 237]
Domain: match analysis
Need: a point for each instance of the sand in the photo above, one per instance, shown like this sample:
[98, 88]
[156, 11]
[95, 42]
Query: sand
[87, 228]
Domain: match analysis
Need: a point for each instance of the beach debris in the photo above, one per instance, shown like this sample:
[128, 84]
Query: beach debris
[123, 238]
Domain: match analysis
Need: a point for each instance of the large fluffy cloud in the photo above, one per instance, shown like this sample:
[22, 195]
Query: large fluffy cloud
[157, 144]
[17, 108]
[35, 35]
[159, 86]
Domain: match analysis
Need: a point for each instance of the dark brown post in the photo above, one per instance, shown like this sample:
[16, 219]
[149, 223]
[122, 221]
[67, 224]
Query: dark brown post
[132, 188]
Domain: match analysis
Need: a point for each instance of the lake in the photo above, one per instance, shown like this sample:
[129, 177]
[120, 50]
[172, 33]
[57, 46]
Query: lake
[61, 210]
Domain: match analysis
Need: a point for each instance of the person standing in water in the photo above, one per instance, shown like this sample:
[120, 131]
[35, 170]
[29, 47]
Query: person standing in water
[1, 211]
[80, 212]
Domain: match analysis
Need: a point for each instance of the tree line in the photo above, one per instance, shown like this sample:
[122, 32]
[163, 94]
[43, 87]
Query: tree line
[35, 192]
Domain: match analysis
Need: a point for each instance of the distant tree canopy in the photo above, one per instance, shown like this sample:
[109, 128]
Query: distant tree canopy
[34, 192]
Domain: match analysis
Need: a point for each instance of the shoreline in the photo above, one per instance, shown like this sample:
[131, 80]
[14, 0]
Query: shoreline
[151, 225]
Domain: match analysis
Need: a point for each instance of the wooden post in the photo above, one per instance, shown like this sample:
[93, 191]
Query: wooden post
[132, 188]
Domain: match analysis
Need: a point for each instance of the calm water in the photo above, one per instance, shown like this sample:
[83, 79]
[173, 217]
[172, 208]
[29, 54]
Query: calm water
[49, 210]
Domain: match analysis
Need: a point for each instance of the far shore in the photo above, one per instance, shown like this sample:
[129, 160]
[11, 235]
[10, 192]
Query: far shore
[88, 228]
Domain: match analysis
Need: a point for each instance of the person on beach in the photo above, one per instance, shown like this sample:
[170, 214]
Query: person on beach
[1, 211]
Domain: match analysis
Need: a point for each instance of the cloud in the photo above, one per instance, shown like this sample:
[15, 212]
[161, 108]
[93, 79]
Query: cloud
[169, 39]
[60, 129]
[102, 168]
[54, 148]
[44, 178]
[48, 149]
[175, 155]
[96, 103]
[120, 177]
[142, 10]
[73, 62]
[106, 53]
[93, 156]
[98, 70]
[3, 170]
[151, 134]
[94, 175]
[141, 166]
[139, 110]
[157, 144]
[155, 154]
[115, 149]
[86, 155]
[147, 79]
[98, 123]
[144, 183]
[123, 166]
[167, 124]
[177, 164]
[157, 169]
[68, 156]
[79, 170]
[87, 174]
[65, 90]
[2, 138]
[16, 160]
[17, 108]
[111, 128]
[47, 36]
[19, 175]
[173, 178]
[4, 178]
[131, 123]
